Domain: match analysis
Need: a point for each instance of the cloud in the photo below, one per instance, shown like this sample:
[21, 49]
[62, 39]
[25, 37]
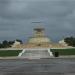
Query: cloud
[33, 9]
[16, 17]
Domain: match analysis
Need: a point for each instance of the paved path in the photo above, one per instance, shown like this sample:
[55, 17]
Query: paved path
[37, 67]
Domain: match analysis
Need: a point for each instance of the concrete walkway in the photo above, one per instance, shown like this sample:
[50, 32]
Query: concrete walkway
[52, 57]
[37, 67]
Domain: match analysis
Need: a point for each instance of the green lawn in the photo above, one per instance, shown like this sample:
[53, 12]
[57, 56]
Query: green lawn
[6, 53]
[64, 51]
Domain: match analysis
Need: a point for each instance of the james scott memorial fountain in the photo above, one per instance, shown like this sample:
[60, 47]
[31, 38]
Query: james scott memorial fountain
[38, 46]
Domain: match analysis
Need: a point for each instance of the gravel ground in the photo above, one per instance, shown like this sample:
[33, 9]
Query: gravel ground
[65, 66]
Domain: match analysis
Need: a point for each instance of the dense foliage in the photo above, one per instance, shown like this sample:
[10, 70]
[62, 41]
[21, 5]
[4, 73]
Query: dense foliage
[70, 41]
[7, 44]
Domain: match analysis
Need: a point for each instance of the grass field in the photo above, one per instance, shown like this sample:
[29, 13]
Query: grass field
[64, 51]
[6, 53]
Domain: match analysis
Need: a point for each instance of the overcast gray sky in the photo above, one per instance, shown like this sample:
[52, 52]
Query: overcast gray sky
[56, 16]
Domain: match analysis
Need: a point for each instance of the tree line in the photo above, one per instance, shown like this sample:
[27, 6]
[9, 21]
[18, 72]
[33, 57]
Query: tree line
[7, 44]
[70, 41]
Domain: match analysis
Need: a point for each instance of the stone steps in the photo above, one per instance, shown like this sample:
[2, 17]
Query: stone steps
[36, 54]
